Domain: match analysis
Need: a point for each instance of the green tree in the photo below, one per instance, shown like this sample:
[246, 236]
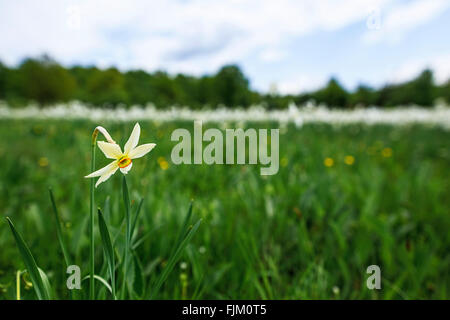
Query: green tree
[188, 89]
[231, 88]
[45, 81]
[138, 85]
[206, 95]
[166, 92]
[422, 90]
[443, 91]
[364, 95]
[106, 87]
[3, 77]
[82, 76]
[333, 95]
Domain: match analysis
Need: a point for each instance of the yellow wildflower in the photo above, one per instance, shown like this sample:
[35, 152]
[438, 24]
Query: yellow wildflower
[328, 162]
[43, 162]
[386, 152]
[349, 160]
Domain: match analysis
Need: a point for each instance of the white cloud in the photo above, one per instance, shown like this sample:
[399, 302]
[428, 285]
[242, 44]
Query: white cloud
[397, 20]
[302, 83]
[189, 36]
[272, 55]
[440, 65]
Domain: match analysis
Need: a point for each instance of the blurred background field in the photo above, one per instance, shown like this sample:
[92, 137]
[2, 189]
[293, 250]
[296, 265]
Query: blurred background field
[344, 198]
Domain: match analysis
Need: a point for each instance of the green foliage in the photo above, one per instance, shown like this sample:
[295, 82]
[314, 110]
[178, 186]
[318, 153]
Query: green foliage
[444, 91]
[38, 277]
[333, 95]
[108, 250]
[185, 234]
[364, 95]
[44, 81]
[138, 85]
[135, 287]
[3, 78]
[106, 87]
[231, 87]
[310, 231]
[58, 228]
[420, 91]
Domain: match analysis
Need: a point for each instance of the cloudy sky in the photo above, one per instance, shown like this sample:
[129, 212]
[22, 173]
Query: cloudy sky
[295, 44]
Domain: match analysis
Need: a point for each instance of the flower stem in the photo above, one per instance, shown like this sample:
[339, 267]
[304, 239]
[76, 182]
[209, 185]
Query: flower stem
[18, 284]
[92, 221]
[126, 199]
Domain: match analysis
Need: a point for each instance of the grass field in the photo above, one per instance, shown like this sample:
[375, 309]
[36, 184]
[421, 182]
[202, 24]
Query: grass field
[344, 198]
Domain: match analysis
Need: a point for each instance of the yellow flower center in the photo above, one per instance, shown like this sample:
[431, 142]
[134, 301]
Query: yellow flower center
[124, 161]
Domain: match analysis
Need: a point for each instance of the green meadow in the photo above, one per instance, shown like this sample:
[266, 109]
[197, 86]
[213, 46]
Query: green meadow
[345, 198]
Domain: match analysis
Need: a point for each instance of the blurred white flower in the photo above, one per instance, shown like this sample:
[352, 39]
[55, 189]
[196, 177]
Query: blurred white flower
[336, 290]
[298, 115]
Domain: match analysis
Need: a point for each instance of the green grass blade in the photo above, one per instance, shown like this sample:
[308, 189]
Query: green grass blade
[118, 232]
[135, 219]
[175, 257]
[138, 280]
[30, 263]
[107, 209]
[184, 228]
[101, 280]
[58, 230]
[46, 283]
[108, 249]
[141, 240]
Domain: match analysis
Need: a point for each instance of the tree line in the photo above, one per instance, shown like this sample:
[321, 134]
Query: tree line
[44, 81]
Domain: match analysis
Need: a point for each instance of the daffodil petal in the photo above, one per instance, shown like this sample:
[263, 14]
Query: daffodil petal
[141, 150]
[105, 133]
[108, 173]
[126, 169]
[133, 140]
[111, 150]
[103, 170]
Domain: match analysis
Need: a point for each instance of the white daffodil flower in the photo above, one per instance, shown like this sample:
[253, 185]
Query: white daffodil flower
[122, 160]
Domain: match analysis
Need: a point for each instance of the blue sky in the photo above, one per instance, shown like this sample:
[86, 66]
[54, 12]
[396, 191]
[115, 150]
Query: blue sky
[284, 45]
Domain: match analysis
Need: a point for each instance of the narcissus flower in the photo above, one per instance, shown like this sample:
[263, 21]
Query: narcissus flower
[122, 160]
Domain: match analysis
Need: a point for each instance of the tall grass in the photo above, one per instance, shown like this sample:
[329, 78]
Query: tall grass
[40, 280]
[308, 232]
